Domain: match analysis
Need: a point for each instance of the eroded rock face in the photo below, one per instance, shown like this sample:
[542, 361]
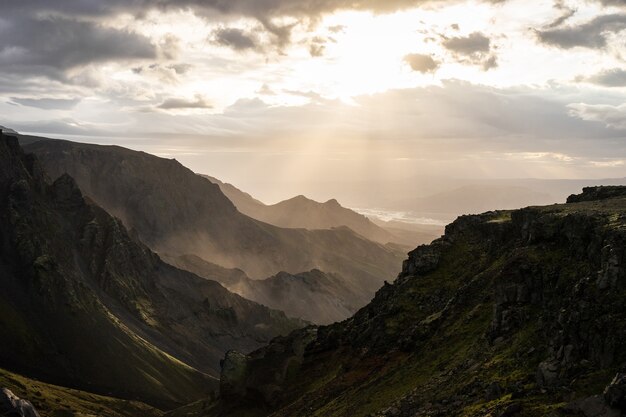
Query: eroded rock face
[13, 406]
[262, 375]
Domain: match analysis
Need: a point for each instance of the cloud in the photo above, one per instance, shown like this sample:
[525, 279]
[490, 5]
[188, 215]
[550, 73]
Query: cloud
[337, 29]
[316, 50]
[47, 103]
[422, 63]
[592, 34]
[468, 45]
[615, 77]
[234, 38]
[174, 103]
[566, 13]
[457, 111]
[616, 3]
[612, 116]
[52, 45]
[317, 45]
[170, 74]
[474, 48]
[261, 9]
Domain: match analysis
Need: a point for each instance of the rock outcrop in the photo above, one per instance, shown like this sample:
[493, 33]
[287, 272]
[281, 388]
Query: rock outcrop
[13, 406]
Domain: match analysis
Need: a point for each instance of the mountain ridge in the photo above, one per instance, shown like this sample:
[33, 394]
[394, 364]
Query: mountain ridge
[176, 212]
[303, 212]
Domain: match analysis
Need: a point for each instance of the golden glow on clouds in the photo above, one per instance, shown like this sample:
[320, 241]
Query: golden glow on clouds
[360, 53]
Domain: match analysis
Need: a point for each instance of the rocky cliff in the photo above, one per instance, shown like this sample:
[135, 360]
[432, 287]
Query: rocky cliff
[83, 304]
[509, 313]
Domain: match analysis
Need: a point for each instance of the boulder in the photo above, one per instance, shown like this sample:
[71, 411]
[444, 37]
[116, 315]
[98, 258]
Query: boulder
[593, 406]
[615, 392]
[12, 406]
[548, 372]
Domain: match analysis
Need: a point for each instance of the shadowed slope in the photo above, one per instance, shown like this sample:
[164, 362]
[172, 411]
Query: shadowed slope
[84, 305]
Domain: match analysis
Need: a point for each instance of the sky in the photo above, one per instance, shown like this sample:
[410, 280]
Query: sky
[283, 96]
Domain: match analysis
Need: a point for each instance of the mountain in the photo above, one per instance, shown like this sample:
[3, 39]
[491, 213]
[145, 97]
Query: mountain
[315, 296]
[510, 313]
[176, 212]
[84, 305]
[302, 212]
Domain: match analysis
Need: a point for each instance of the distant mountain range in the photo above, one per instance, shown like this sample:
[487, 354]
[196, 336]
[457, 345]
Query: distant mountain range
[444, 198]
[302, 212]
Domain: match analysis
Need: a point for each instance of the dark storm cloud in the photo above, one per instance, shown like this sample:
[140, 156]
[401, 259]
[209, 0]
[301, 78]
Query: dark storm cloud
[615, 77]
[47, 103]
[592, 34]
[234, 38]
[422, 63]
[262, 9]
[52, 45]
[181, 104]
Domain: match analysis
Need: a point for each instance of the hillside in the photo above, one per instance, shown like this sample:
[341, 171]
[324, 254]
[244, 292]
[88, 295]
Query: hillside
[56, 401]
[176, 212]
[302, 212]
[510, 313]
[84, 305]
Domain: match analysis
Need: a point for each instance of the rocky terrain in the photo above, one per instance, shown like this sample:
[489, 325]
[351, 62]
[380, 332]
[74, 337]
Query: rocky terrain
[84, 305]
[12, 405]
[510, 313]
